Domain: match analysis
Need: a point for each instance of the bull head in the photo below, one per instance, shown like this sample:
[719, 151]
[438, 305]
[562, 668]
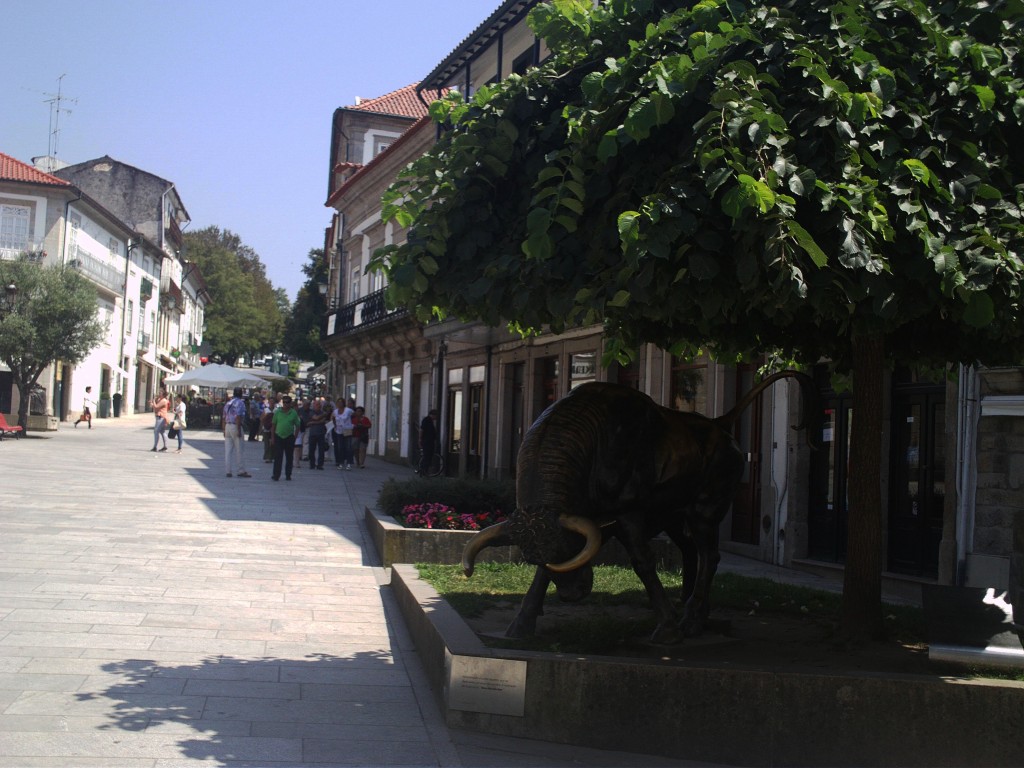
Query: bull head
[517, 531]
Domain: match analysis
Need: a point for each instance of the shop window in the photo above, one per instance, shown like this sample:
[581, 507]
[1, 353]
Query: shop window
[546, 389]
[689, 387]
[583, 369]
[455, 420]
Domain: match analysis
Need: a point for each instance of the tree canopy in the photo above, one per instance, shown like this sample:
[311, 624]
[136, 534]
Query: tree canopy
[53, 316]
[246, 316]
[737, 176]
[821, 178]
[302, 329]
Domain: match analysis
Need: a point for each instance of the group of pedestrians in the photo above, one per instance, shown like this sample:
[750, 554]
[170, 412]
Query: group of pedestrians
[291, 429]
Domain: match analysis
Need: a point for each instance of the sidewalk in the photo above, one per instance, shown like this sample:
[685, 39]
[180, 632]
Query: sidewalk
[156, 613]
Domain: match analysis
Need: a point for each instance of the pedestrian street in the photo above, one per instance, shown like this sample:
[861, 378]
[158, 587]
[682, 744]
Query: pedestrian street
[156, 613]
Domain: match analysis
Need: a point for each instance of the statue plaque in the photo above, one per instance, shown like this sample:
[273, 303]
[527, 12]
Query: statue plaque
[494, 686]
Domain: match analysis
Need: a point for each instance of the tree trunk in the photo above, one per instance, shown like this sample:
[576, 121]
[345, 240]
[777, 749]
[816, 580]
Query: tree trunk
[862, 581]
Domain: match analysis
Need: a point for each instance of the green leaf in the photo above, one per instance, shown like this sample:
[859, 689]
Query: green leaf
[629, 227]
[621, 299]
[757, 192]
[918, 170]
[985, 95]
[980, 310]
[806, 242]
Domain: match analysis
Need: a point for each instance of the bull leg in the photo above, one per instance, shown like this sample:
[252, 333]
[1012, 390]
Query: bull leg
[525, 622]
[641, 557]
[698, 607]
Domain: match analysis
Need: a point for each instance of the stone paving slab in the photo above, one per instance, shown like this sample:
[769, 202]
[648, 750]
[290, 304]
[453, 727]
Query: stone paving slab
[155, 613]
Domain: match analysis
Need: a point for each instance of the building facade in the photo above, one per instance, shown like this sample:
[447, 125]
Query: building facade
[172, 301]
[149, 299]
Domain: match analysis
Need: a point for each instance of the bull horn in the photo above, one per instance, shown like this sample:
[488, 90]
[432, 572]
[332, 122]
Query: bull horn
[481, 540]
[585, 527]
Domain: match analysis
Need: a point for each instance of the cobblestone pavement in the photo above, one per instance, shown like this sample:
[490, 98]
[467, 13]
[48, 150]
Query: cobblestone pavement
[156, 613]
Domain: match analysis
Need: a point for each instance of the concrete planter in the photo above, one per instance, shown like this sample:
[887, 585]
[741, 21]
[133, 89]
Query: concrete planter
[37, 423]
[729, 715]
[397, 544]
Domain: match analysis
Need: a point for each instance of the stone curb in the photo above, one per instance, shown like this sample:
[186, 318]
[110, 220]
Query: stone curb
[723, 714]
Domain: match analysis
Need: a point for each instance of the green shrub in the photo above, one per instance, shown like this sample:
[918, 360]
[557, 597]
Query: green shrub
[466, 496]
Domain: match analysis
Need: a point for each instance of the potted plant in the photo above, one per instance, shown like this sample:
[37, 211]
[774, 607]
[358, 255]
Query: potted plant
[104, 404]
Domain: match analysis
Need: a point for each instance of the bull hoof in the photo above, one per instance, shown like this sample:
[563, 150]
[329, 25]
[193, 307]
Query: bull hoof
[667, 635]
[521, 627]
[692, 627]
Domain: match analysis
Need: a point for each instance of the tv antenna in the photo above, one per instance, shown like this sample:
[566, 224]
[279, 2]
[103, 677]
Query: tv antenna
[56, 102]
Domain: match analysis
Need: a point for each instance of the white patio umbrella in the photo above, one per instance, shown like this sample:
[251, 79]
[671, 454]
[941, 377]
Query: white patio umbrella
[215, 375]
[263, 373]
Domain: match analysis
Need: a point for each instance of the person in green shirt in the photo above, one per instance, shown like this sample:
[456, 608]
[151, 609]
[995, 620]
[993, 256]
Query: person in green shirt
[283, 430]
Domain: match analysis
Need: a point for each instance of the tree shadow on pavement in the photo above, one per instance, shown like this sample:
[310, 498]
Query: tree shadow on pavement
[339, 708]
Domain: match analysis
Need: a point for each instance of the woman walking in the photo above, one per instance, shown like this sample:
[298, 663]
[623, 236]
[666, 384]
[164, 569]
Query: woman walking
[161, 407]
[179, 423]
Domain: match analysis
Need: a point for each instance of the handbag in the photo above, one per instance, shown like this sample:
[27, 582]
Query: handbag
[172, 432]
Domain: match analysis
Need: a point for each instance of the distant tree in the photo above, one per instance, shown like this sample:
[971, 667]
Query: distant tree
[302, 331]
[54, 316]
[828, 178]
[244, 319]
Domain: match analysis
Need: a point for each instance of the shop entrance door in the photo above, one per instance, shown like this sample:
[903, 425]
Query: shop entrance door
[918, 481]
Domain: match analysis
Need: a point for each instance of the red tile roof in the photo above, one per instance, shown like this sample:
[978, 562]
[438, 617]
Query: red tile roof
[402, 102]
[347, 183]
[15, 170]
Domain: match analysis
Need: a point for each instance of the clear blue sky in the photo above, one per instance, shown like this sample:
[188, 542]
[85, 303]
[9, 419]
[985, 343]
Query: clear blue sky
[230, 100]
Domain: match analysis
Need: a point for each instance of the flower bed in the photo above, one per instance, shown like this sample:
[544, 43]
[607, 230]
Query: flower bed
[442, 517]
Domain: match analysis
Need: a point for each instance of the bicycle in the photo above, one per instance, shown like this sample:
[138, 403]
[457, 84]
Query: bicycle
[436, 467]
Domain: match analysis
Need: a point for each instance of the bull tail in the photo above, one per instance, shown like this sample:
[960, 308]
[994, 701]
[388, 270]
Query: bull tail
[812, 412]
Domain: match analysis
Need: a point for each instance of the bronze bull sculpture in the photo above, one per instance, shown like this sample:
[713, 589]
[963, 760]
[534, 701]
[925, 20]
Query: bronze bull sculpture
[606, 460]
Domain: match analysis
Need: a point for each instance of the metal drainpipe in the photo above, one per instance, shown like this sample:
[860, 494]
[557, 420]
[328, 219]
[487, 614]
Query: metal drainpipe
[487, 421]
[967, 424]
[124, 313]
[442, 349]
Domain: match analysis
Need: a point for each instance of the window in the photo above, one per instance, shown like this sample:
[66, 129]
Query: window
[395, 409]
[523, 61]
[353, 287]
[114, 247]
[128, 317]
[14, 227]
[689, 389]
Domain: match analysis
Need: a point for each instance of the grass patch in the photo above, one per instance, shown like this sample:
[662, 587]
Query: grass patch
[502, 585]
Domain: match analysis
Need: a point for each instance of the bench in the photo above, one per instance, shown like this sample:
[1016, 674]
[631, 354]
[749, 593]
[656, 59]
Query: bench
[7, 429]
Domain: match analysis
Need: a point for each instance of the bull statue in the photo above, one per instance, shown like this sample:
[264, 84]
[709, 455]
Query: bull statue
[607, 461]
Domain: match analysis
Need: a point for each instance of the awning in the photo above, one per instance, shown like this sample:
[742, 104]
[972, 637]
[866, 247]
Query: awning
[117, 369]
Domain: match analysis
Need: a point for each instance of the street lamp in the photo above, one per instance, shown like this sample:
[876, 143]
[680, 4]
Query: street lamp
[10, 294]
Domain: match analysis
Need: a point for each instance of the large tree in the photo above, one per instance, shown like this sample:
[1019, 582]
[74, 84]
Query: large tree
[826, 179]
[50, 313]
[302, 330]
[245, 317]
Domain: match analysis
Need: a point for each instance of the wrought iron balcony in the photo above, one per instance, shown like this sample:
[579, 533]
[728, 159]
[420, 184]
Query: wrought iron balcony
[102, 274]
[368, 311]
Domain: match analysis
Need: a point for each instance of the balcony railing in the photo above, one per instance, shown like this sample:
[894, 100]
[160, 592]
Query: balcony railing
[362, 313]
[102, 274]
[32, 252]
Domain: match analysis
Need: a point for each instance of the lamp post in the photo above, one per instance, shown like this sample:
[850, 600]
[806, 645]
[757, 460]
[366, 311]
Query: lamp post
[10, 294]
